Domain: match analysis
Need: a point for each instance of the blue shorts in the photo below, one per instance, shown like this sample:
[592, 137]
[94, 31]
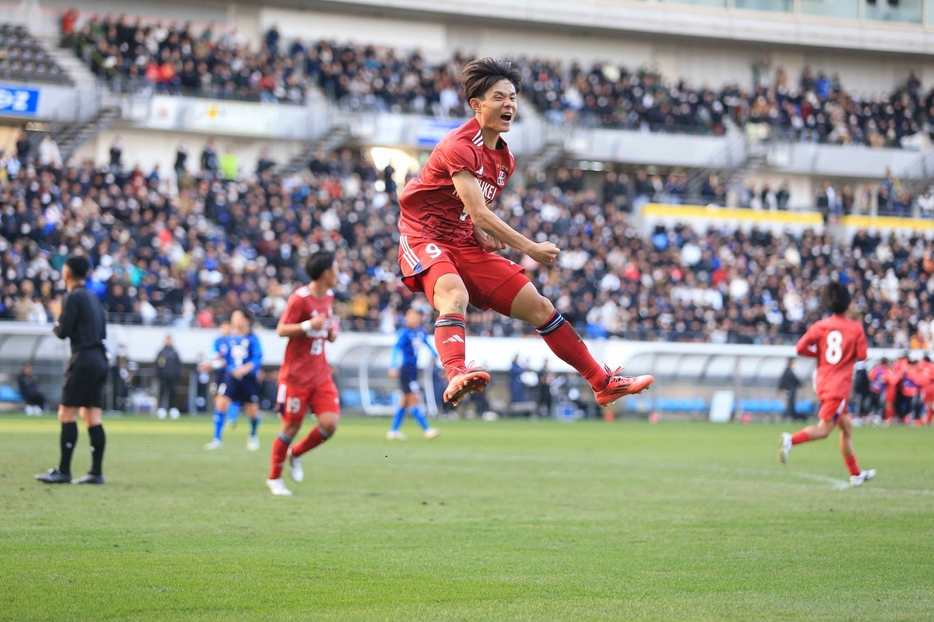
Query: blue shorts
[242, 391]
[408, 379]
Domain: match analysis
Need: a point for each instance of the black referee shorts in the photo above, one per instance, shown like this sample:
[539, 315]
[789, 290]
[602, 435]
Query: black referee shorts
[85, 379]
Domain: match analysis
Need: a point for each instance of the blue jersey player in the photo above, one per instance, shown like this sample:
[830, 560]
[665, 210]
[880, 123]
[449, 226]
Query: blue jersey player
[404, 365]
[242, 355]
[218, 364]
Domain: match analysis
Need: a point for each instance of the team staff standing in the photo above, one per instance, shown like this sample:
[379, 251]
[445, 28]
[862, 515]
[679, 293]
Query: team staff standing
[84, 323]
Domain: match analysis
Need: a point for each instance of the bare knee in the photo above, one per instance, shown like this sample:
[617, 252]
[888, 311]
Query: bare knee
[541, 311]
[327, 423]
[530, 306]
[91, 416]
[67, 414]
[291, 429]
[450, 294]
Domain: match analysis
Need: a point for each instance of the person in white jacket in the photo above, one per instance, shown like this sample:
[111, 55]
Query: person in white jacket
[49, 154]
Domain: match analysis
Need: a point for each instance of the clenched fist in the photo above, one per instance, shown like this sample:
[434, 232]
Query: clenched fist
[544, 253]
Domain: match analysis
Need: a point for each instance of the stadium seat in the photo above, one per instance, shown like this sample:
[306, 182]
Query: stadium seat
[350, 398]
[9, 394]
[804, 407]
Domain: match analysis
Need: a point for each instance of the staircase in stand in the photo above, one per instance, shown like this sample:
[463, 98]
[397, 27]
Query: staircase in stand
[331, 140]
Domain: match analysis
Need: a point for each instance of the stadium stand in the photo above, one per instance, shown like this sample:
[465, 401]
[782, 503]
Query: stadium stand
[23, 58]
[174, 59]
[816, 108]
[190, 258]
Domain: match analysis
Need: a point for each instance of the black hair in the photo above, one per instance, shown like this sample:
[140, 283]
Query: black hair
[318, 263]
[246, 313]
[79, 266]
[836, 297]
[479, 75]
[884, 361]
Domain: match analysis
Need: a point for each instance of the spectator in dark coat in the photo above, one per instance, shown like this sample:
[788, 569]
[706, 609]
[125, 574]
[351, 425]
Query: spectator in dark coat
[789, 383]
[29, 389]
[168, 371]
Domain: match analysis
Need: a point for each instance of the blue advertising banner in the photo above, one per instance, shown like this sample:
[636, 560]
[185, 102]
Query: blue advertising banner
[19, 101]
[431, 130]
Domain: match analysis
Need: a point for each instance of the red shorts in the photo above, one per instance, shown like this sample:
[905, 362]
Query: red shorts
[832, 409]
[294, 402]
[492, 281]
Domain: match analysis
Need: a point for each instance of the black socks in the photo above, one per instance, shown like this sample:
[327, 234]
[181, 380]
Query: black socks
[98, 440]
[69, 438]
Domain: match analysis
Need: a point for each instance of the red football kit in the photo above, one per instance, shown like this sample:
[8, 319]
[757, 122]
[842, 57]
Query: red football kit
[436, 233]
[838, 343]
[877, 378]
[305, 379]
[927, 384]
[916, 378]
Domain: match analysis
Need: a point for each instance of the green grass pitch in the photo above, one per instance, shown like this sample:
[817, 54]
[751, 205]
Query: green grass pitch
[507, 520]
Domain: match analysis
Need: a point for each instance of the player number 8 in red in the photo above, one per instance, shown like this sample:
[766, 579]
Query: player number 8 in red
[834, 351]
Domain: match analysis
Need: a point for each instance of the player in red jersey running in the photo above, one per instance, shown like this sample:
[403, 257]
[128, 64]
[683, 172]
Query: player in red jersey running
[837, 343]
[449, 238]
[305, 381]
[927, 391]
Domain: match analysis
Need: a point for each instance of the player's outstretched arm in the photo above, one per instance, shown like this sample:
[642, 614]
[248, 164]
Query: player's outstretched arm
[468, 189]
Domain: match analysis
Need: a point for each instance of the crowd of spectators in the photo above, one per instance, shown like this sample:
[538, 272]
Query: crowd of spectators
[816, 109]
[612, 96]
[176, 58]
[191, 256]
[819, 109]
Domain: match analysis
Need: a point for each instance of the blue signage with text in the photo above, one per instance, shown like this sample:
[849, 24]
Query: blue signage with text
[17, 100]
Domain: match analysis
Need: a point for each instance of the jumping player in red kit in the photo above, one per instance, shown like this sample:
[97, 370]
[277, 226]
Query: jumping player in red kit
[837, 343]
[305, 381]
[449, 238]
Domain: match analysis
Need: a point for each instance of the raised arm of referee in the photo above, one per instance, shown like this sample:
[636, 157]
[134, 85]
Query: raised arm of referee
[83, 322]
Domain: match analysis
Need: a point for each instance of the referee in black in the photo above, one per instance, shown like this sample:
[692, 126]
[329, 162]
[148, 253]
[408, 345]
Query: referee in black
[83, 321]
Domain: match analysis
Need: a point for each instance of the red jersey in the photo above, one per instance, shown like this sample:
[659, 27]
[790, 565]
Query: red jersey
[838, 343]
[429, 205]
[305, 364]
[877, 378]
[916, 377]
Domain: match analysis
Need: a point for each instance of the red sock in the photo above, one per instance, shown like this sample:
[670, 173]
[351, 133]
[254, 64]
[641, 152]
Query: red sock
[851, 465]
[570, 348]
[314, 438]
[280, 447]
[449, 339]
[800, 437]
[889, 410]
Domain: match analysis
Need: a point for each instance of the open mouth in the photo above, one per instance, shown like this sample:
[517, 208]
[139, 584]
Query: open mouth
[506, 116]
